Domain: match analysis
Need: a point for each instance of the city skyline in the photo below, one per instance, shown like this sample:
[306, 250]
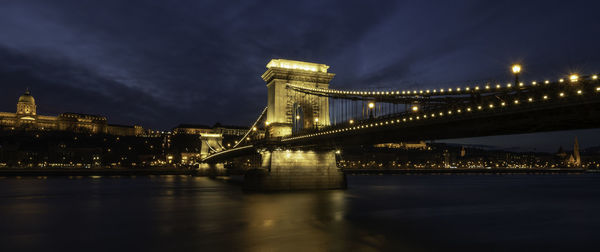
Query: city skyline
[550, 142]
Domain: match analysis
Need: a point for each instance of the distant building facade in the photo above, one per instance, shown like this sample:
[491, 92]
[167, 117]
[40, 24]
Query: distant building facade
[26, 118]
[195, 129]
[421, 145]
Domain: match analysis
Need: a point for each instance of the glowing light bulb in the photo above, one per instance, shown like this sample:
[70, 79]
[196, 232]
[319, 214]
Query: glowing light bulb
[516, 68]
[574, 77]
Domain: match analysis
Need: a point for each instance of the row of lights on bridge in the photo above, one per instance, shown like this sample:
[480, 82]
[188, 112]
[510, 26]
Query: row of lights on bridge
[425, 116]
[516, 71]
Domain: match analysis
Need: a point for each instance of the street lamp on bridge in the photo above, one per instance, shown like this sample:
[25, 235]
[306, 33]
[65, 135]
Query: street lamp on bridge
[516, 69]
[574, 77]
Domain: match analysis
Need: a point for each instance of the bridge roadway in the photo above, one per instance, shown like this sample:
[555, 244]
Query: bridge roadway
[571, 107]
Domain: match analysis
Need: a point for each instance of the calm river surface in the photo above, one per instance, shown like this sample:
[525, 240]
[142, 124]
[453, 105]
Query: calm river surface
[393, 213]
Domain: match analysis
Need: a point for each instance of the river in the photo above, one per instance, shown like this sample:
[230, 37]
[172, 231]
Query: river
[552, 212]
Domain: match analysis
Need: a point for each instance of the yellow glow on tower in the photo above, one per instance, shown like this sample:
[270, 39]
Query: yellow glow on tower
[299, 65]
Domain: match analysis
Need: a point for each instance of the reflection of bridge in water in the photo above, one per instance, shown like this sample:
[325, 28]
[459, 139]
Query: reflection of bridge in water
[305, 120]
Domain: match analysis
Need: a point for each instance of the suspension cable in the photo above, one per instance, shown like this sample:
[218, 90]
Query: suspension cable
[252, 127]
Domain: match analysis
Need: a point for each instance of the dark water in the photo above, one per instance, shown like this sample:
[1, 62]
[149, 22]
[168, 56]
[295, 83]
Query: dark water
[394, 213]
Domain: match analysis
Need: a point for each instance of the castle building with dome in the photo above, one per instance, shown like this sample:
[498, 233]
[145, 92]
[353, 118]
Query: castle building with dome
[26, 118]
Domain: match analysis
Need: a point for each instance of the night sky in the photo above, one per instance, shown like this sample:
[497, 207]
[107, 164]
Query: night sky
[162, 63]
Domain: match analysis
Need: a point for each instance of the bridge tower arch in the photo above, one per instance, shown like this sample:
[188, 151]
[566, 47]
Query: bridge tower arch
[304, 116]
[286, 107]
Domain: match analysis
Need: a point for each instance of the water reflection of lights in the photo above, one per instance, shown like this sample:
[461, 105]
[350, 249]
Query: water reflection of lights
[297, 217]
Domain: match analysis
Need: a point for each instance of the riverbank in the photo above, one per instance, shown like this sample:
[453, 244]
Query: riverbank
[6, 172]
[464, 171]
[93, 172]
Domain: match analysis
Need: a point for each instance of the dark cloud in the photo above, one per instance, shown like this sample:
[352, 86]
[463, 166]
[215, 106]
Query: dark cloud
[161, 63]
[198, 62]
[56, 83]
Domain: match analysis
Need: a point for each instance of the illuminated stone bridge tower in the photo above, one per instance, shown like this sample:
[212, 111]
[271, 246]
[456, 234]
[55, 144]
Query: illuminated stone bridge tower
[288, 108]
[295, 169]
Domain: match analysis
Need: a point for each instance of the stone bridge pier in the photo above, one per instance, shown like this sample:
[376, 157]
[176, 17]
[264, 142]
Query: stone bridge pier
[296, 170]
[290, 111]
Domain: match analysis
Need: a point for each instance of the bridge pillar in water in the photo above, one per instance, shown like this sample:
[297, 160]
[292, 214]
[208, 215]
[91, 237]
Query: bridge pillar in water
[285, 106]
[283, 170]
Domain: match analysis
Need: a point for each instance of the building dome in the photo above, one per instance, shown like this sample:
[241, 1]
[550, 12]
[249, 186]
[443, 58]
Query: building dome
[27, 98]
[26, 104]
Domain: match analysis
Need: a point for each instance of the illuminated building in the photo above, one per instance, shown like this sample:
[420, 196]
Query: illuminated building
[195, 129]
[421, 145]
[575, 158]
[26, 118]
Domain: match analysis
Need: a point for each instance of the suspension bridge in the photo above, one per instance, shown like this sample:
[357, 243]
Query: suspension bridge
[305, 120]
